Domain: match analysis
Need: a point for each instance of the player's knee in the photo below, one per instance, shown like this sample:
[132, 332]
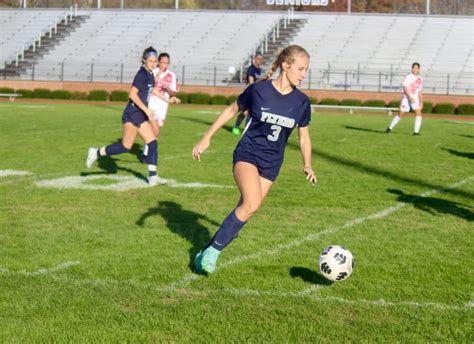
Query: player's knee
[250, 208]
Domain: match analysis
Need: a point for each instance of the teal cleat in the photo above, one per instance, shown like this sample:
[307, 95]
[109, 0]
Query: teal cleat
[197, 262]
[206, 260]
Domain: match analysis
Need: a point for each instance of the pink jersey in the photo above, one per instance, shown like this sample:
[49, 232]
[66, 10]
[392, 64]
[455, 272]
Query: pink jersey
[414, 83]
[159, 106]
[166, 79]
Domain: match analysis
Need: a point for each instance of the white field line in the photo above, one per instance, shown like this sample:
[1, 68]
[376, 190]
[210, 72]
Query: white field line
[121, 183]
[313, 236]
[42, 271]
[8, 173]
[309, 293]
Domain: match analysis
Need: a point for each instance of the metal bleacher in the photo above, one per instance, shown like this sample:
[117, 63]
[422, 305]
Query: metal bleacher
[374, 52]
[109, 45]
[21, 28]
[368, 52]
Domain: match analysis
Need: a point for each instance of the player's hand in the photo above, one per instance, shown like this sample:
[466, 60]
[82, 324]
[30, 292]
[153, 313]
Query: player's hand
[175, 100]
[199, 148]
[149, 113]
[310, 175]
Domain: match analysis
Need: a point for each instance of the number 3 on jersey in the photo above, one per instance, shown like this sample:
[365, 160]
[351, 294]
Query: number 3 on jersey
[276, 132]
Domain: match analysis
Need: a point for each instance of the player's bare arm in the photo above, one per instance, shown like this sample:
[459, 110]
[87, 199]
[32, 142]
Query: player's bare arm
[223, 118]
[306, 153]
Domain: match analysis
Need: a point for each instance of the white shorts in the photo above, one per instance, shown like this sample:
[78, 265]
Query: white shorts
[405, 105]
[159, 108]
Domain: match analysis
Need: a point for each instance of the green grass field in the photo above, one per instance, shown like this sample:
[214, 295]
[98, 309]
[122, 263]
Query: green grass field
[87, 263]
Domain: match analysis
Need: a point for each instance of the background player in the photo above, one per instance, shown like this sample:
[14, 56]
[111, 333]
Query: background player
[412, 98]
[254, 73]
[137, 118]
[275, 108]
[165, 91]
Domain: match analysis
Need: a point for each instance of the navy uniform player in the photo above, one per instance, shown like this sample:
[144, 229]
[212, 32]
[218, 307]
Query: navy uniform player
[275, 108]
[254, 73]
[137, 118]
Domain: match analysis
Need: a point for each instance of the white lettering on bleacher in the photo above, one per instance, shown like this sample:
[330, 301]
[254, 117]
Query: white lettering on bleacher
[299, 2]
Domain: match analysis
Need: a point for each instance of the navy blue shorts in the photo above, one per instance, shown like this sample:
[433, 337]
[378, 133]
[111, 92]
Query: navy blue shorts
[270, 173]
[134, 115]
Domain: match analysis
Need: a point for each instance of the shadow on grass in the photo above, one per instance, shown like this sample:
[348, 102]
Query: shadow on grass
[458, 153]
[364, 129]
[377, 171]
[435, 205]
[468, 136]
[308, 275]
[108, 164]
[184, 223]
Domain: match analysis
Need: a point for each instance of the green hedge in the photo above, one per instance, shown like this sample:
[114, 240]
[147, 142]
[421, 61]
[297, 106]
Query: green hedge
[184, 97]
[199, 98]
[119, 96]
[61, 94]
[79, 95]
[25, 93]
[42, 93]
[98, 95]
[444, 108]
[231, 99]
[427, 107]
[394, 104]
[374, 103]
[219, 100]
[465, 109]
[6, 90]
[329, 101]
[313, 100]
[351, 102]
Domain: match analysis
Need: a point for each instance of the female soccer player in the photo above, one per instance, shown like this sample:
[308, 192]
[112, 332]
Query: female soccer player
[275, 108]
[164, 93]
[412, 98]
[137, 118]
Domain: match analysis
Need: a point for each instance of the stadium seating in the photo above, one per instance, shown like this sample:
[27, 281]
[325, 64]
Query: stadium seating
[382, 47]
[20, 28]
[356, 52]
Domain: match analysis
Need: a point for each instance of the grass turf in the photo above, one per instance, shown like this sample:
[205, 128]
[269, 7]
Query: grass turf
[128, 255]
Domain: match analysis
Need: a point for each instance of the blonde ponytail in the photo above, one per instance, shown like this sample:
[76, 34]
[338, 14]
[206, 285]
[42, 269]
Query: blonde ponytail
[286, 55]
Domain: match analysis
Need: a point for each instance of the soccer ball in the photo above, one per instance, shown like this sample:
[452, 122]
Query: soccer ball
[336, 263]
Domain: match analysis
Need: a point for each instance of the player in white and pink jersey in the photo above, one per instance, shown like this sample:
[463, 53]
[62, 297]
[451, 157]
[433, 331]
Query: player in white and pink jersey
[167, 87]
[412, 99]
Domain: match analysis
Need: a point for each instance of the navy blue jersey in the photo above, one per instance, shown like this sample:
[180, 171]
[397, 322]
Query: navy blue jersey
[145, 82]
[255, 72]
[272, 117]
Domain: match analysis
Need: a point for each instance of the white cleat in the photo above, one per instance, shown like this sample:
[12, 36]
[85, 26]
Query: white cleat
[91, 157]
[155, 180]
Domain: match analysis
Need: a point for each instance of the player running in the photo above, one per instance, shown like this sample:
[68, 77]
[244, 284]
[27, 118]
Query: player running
[412, 99]
[254, 73]
[137, 118]
[164, 93]
[275, 108]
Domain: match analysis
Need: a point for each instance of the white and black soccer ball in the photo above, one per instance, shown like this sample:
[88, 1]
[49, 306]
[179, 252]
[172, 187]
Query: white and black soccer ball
[336, 263]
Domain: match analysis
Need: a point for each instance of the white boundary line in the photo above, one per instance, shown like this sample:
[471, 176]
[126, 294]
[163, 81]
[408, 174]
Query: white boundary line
[121, 183]
[313, 236]
[42, 271]
[309, 293]
[8, 173]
